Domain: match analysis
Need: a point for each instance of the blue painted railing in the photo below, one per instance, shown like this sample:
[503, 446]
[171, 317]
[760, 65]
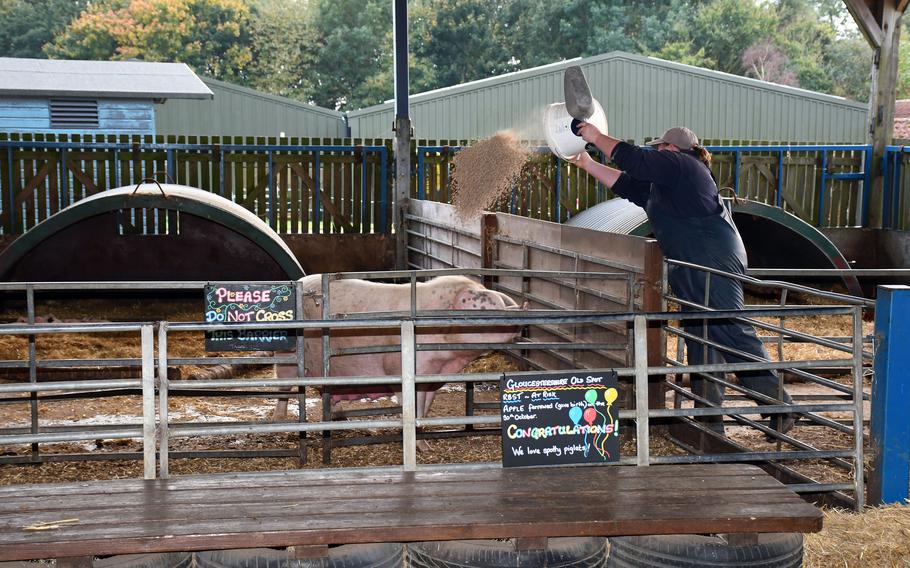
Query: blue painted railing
[896, 209]
[819, 180]
[60, 173]
[825, 177]
[890, 425]
[832, 189]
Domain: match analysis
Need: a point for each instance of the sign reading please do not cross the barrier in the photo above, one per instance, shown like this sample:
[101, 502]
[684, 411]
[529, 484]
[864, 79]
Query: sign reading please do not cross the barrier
[249, 303]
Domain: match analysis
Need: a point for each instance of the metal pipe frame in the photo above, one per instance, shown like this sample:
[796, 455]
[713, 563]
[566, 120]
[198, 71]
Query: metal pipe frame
[795, 370]
[856, 364]
[776, 284]
[409, 325]
[434, 223]
[859, 272]
[579, 256]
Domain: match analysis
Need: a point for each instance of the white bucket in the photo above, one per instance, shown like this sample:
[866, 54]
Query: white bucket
[557, 127]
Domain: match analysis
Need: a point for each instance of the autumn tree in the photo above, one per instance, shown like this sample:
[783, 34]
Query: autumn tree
[339, 53]
[766, 62]
[211, 36]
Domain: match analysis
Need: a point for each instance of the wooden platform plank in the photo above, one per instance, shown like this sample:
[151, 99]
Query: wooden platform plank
[423, 510]
[255, 493]
[338, 507]
[320, 479]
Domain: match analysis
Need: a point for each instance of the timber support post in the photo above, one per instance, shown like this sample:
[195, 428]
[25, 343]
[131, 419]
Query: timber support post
[402, 128]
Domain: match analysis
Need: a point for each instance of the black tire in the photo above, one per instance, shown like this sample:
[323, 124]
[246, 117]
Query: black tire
[164, 560]
[773, 550]
[560, 553]
[385, 555]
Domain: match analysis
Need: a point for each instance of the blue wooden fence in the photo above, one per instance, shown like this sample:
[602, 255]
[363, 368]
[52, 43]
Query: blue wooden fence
[826, 186]
[296, 186]
[896, 209]
[343, 186]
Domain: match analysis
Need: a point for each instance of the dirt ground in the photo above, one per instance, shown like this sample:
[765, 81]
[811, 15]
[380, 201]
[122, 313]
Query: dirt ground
[449, 401]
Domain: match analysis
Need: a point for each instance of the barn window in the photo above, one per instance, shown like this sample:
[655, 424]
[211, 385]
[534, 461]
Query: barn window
[74, 113]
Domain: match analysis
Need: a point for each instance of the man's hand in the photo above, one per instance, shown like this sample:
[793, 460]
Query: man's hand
[582, 159]
[589, 132]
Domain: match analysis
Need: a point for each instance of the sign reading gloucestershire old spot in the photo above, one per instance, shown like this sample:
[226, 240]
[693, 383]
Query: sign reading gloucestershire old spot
[249, 303]
[560, 418]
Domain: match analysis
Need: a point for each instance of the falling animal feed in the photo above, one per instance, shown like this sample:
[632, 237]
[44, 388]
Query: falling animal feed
[485, 172]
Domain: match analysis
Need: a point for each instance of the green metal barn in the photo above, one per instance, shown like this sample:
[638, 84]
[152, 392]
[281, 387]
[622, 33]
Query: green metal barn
[240, 111]
[642, 96]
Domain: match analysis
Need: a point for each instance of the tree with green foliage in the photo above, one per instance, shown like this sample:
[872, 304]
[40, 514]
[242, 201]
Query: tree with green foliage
[283, 47]
[903, 63]
[211, 36]
[541, 32]
[339, 53]
[726, 28]
[353, 52]
[463, 41]
[27, 25]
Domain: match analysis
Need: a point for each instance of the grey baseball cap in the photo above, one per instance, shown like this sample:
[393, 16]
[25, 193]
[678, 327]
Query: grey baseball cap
[679, 136]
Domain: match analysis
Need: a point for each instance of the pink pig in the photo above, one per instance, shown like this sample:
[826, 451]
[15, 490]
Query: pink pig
[353, 296]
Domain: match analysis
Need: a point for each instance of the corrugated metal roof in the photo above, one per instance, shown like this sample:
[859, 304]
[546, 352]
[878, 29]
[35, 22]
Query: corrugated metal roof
[279, 100]
[112, 79]
[241, 111]
[642, 96]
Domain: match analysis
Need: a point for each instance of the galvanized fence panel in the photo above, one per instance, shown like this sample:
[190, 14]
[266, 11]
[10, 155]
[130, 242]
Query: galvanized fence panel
[793, 451]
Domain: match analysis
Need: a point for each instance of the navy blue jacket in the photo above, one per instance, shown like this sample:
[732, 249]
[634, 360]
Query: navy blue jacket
[682, 184]
[687, 218]
[691, 224]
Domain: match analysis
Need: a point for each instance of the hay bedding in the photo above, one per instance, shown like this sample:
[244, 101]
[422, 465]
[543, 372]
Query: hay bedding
[878, 537]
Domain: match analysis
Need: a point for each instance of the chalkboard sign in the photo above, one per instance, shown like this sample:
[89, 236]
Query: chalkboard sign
[249, 303]
[560, 418]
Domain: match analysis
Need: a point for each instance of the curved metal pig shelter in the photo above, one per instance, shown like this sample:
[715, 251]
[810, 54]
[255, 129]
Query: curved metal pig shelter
[773, 237]
[196, 235]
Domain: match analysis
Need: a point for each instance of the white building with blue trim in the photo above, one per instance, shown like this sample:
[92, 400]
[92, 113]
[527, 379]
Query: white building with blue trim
[85, 97]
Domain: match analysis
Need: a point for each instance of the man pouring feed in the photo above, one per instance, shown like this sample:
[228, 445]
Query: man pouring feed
[676, 188]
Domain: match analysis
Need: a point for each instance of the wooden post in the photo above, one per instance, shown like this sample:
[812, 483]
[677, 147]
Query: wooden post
[652, 301]
[489, 227]
[884, 83]
[402, 128]
[890, 426]
[880, 25]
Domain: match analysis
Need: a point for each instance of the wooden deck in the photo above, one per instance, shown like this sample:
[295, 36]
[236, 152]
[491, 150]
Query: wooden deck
[319, 507]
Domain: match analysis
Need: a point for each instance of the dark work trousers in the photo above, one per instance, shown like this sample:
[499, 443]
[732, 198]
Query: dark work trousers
[713, 241]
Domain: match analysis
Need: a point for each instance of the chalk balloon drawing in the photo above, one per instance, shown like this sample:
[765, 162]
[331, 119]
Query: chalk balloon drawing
[575, 414]
[559, 418]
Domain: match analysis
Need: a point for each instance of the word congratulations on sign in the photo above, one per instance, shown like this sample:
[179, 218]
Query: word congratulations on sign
[249, 303]
[559, 418]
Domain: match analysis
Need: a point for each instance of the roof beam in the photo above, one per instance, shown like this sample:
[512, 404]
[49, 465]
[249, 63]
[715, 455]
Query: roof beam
[867, 22]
